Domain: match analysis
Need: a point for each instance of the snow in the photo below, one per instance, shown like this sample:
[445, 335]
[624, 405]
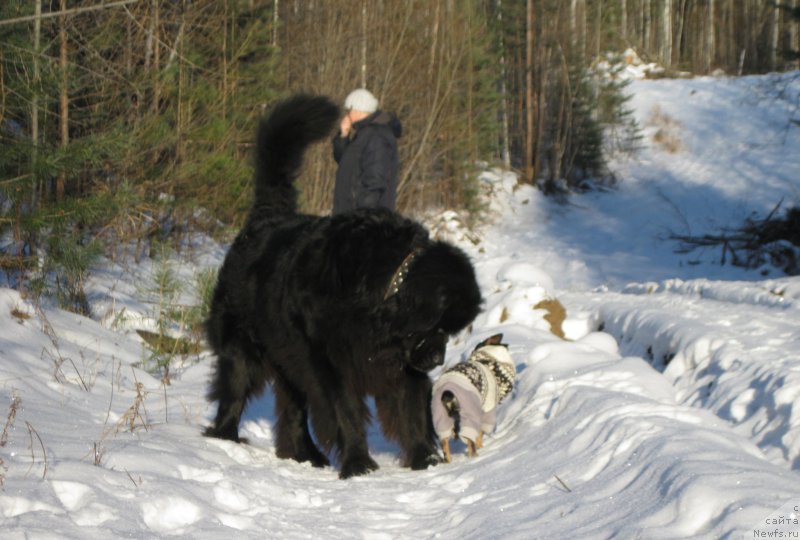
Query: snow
[671, 411]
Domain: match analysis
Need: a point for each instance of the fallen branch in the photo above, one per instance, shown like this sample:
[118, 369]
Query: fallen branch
[72, 11]
[773, 239]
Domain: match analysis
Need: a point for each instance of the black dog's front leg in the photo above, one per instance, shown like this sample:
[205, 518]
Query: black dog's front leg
[405, 416]
[339, 416]
[293, 440]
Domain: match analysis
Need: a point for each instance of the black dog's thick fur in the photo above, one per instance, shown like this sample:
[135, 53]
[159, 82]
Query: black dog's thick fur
[301, 303]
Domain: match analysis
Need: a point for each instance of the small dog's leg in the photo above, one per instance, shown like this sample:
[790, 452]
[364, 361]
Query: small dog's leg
[479, 441]
[471, 450]
[446, 449]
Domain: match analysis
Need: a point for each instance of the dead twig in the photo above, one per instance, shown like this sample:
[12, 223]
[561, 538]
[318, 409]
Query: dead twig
[563, 484]
[31, 433]
[131, 477]
[12, 413]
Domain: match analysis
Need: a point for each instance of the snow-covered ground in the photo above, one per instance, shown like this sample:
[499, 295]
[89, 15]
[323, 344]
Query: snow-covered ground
[672, 411]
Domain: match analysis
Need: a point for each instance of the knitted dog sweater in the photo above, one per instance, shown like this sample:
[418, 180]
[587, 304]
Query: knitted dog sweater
[479, 385]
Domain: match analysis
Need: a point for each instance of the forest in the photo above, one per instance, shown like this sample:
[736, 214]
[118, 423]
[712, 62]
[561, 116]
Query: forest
[129, 123]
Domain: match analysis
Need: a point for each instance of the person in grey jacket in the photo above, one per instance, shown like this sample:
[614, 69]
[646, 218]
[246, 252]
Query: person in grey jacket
[366, 151]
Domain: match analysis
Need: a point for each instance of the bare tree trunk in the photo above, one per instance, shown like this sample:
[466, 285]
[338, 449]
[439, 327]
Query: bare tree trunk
[37, 38]
[177, 52]
[624, 21]
[363, 43]
[434, 36]
[61, 179]
[505, 151]
[128, 54]
[577, 24]
[794, 33]
[667, 43]
[646, 26]
[156, 55]
[678, 42]
[473, 151]
[731, 46]
[710, 41]
[776, 25]
[529, 94]
[573, 19]
[598, 31]
[225, 62]
[582, 27]
[275, 21]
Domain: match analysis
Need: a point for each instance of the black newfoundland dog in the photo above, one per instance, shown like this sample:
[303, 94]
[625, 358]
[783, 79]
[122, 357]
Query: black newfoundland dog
[332, 309]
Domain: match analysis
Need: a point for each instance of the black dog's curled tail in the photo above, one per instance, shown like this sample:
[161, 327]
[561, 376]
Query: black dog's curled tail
[283, 137]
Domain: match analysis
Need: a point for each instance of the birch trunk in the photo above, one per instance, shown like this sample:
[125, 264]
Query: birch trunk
[667, 38]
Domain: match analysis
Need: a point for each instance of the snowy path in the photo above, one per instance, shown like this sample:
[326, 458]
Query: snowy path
[591, 444]
[598, 440]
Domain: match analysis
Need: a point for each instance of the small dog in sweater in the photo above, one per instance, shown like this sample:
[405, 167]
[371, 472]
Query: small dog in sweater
[466, 396]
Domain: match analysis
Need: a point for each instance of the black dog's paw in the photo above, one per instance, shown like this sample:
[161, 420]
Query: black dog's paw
[423, 458]
[428, 461]
[212, 431]
[357, 466]
[313, 456]
[319, 460]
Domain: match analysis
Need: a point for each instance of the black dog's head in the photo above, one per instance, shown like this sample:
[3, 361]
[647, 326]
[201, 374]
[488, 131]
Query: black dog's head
[438, 298]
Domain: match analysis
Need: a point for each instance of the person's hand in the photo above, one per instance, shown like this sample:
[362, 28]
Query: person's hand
[345, 125]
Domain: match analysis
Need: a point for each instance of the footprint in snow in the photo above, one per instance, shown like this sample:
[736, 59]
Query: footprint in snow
[80, 501]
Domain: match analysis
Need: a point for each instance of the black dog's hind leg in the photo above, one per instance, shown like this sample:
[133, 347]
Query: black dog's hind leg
[293, 440]
[405, 416]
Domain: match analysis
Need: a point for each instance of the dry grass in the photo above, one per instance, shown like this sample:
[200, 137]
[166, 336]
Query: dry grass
[163, 344]
[12, 413]
[20, 315]
[134, 414]
[666, 132]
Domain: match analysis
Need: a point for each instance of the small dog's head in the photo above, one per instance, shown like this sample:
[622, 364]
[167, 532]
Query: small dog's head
[496, 339]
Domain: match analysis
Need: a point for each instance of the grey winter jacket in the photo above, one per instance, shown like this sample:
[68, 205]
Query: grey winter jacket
[368, 164]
